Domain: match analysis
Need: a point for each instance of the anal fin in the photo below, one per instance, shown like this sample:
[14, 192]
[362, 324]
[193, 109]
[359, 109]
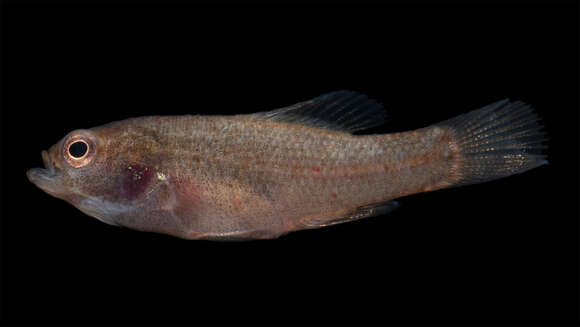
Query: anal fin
[372, 210]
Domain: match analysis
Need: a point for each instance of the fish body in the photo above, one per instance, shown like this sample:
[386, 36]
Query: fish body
[266, 174]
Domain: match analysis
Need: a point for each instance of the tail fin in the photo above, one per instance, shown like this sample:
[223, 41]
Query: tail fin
[498, 140]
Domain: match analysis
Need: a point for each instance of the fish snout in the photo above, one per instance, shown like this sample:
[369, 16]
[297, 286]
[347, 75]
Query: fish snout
[44, 178]
[48, 163]
[40, 177]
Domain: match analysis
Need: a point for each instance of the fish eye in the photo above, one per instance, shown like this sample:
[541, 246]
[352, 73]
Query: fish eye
[79, 149]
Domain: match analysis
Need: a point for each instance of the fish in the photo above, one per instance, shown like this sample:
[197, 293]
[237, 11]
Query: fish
[266, 174]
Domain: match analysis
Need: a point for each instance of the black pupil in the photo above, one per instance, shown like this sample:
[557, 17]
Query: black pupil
[78, 149]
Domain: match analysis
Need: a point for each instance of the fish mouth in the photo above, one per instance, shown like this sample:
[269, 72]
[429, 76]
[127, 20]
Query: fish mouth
[43, 177]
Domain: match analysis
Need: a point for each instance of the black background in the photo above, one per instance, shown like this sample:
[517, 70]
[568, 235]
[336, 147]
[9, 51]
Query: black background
[504, 252]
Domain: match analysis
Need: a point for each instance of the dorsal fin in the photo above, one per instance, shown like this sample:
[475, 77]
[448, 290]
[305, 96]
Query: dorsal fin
[344, 111]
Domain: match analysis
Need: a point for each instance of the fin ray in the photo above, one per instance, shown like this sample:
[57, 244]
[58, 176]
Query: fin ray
[344, 111]
[498, 140]
[371, 210]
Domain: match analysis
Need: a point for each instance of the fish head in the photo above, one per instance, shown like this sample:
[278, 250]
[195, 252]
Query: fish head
[78, 169]
[67, 164]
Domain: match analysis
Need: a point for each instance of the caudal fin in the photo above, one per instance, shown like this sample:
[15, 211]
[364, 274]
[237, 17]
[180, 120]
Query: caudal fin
[498, 140]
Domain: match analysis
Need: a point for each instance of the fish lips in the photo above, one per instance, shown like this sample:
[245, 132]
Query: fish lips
[44, 178]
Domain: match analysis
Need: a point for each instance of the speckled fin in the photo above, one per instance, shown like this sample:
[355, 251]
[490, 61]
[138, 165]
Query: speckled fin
[498, 140]
[344, 111]
[372, 210]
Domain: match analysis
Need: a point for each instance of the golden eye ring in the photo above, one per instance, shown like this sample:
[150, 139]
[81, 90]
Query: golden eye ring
[75, 147]
[82, 141]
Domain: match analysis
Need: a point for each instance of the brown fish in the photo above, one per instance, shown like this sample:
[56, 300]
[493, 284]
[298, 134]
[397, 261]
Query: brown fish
[266, 174]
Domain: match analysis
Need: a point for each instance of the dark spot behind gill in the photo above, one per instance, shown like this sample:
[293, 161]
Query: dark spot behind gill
[135, 178]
